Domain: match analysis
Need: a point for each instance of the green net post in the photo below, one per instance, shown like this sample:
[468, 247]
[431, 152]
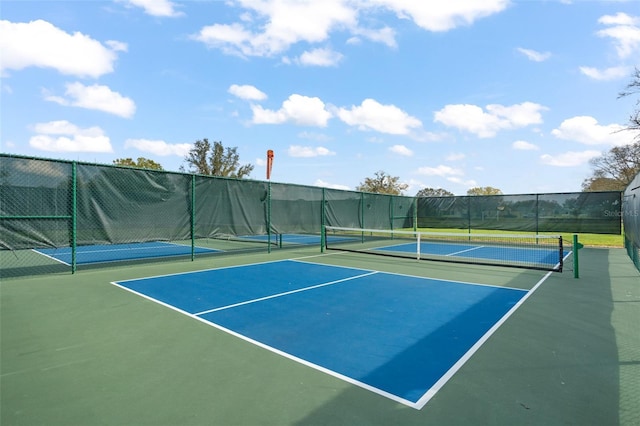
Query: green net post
[193, 217]
[323, 222]
[74, 216]
[576, 248]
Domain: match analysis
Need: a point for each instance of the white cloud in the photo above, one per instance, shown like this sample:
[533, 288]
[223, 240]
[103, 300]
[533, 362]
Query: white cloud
[474, 119]
[569, 159]
[60, 127]
[271, 27]
[384, 35]
[320, 58]
[441, 170]
[63, 136]
[41, 44]
[324, 184]
[307, 151]
[247, 92]
[586, 130]
[612, 73]
[231, 39]
[624, 31]
[282, 23]
[158, 147]
[117, 46]
[455, 156]
[97, 97]
[534, 55]
[466, 183]
[519, 115]
[371, 115]
[163, 8]
[619, 19]
[401, 150]
[298, 109]
[443, 16]
[318, 137]
[524, 146]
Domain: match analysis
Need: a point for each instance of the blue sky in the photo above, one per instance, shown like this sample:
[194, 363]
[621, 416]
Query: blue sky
[517, 95]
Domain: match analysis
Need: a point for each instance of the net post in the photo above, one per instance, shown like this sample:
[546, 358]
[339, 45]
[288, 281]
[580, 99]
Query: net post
[576, 247]
[418, 246]
[323, 229]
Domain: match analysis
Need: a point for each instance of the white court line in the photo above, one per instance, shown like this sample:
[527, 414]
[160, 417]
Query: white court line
[51, 257]
[417, 405]
[285, 293]
[464, 251]
[298, 259]
[454, 369]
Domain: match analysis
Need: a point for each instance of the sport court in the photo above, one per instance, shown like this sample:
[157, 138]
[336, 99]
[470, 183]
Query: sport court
[103, 253]
[226, 327]
[88, 352]
[400, 336]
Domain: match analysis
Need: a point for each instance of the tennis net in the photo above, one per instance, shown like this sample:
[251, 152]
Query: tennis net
[542, 252]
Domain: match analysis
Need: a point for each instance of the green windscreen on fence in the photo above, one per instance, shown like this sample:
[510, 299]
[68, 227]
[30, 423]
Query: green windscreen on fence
[295, 209]
[631, 220]
[581, 212]
[228, 208]
[120, 205]
[56, 216]
[35, 203]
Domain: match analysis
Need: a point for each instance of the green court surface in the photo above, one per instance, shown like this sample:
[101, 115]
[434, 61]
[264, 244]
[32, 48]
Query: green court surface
[77, 350]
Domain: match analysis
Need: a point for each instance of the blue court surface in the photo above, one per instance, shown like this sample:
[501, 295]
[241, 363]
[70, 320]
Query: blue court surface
[541, 256]
[119, 252]
[400, 336]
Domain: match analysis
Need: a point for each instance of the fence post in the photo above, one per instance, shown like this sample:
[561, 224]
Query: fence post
[193, 217]
[74, 216]
[269, 216]
[415, 213]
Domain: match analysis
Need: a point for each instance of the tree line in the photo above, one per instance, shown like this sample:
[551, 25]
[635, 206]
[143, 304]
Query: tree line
[612, 171]
[203, 159]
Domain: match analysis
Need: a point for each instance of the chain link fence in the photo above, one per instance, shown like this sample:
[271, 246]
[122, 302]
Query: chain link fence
[631, 220]
[58, 216]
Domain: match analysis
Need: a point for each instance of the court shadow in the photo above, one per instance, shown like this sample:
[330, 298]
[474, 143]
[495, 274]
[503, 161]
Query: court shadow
[555, 361]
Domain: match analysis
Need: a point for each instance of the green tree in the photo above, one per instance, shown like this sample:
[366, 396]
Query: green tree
[143, 163]
[382, 183]
[615, 169]
[434, 192]
[216, 160]
[487, 190]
